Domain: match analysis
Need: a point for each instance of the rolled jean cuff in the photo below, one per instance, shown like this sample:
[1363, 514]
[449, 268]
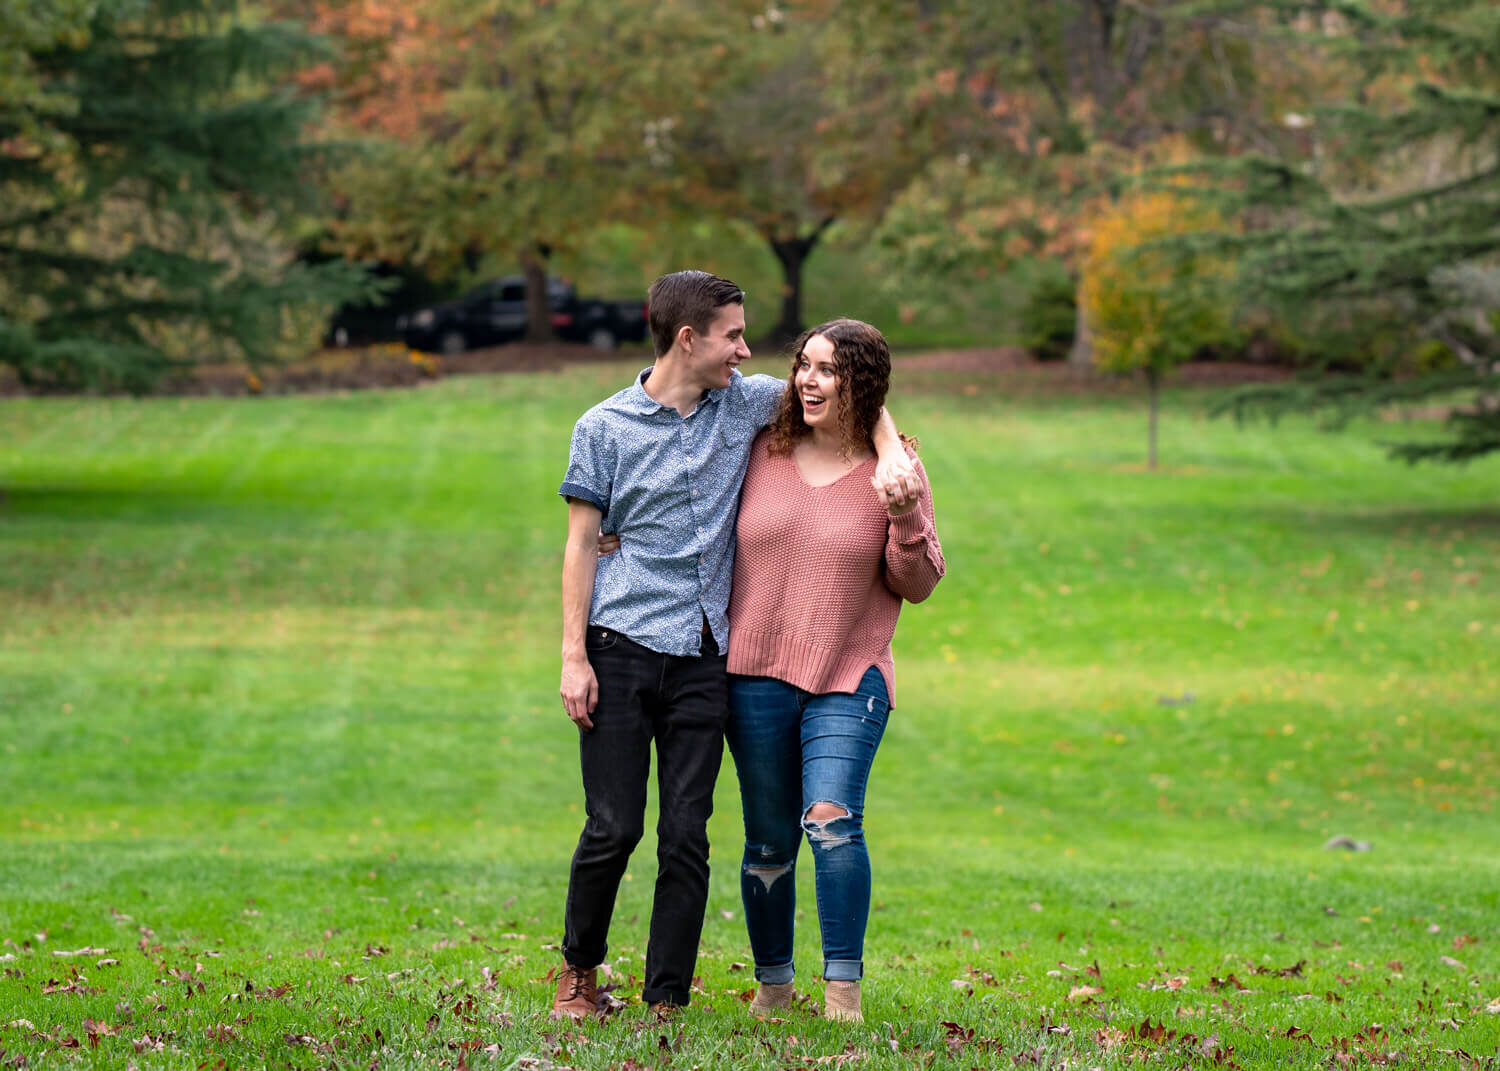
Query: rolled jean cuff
[843, 970]
[780, 974]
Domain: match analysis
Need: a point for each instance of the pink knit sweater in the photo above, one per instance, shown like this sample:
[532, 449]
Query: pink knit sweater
[820, 573]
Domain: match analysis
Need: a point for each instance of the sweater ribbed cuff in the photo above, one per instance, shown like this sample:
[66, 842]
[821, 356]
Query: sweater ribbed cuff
[909, 527]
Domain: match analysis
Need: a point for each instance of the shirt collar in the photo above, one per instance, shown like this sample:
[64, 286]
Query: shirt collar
[640, 401]
[646, 405]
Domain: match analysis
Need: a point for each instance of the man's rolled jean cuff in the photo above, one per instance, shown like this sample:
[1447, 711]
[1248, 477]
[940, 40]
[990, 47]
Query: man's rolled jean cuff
[780, 974]
[843, 970]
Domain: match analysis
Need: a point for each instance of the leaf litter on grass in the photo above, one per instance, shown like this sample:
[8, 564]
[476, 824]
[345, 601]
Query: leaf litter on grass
[1195, 587]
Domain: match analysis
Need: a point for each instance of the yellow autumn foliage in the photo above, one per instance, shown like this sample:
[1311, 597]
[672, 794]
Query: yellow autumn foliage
[1151, 308]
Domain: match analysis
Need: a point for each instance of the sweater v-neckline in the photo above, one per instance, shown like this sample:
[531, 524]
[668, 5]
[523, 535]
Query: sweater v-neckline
[820, 486]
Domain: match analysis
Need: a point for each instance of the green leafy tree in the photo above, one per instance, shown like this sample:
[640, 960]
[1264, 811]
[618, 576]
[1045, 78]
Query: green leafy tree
[539, 123]
[807, 128]
[1053, 101]
[1149, 305]
[145, 183]
[1388, 216]
[556, 118]
[758, 167]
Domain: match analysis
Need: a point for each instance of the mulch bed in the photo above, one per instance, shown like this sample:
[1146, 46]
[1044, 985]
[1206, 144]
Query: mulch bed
[382, 367]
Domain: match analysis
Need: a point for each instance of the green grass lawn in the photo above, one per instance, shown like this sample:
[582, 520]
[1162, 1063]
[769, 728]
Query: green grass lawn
[286, 781]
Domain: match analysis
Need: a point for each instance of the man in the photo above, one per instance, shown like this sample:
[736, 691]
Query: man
[645, 630]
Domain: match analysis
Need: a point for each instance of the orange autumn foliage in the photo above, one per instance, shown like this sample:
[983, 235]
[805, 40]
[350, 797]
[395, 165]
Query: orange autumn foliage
[1150, 308]
[392, 75]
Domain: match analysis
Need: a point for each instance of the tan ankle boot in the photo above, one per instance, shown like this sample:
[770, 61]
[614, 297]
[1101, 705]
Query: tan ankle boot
[577, 996]
[841, 1001]
[771, 997]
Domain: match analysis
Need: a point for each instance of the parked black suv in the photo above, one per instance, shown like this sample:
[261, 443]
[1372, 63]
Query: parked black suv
[364, 323]
[495, 312]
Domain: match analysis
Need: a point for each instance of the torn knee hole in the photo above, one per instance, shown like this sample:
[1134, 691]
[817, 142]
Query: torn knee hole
[829, 825]
[768, 874]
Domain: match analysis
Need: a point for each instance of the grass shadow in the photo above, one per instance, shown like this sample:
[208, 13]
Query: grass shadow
[154, 507]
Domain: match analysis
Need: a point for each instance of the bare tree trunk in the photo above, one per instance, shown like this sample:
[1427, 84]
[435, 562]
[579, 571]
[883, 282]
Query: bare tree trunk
[538, 308]
[1153, 387]
[793, 254]
[1082, 353]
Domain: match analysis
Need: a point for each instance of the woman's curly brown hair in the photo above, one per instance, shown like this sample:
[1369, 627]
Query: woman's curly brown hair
[862, 362]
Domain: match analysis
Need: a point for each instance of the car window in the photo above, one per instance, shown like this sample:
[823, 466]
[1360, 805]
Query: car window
[513, 292]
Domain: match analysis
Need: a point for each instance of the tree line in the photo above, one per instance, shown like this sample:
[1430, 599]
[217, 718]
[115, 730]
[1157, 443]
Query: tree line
[1317, 178]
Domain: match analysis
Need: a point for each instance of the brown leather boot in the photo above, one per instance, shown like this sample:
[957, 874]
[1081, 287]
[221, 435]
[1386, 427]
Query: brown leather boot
[577, 998]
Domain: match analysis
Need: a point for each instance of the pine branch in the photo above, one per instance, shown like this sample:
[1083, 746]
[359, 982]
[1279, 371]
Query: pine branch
[181, 150]
[1343, 398]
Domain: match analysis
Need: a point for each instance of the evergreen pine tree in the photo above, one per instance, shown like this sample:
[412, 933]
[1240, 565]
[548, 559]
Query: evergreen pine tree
[146, 185]
[1393, 226]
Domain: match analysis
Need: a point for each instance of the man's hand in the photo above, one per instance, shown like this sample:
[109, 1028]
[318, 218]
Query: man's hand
[608, 543]
[580, 691]
[896, 481]
[896, 477]
[893, 508]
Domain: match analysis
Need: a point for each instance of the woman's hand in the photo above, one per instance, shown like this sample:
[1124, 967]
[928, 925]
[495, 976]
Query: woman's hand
[608, 543]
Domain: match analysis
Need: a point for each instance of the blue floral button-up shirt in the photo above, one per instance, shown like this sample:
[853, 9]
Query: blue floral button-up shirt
[669, 486]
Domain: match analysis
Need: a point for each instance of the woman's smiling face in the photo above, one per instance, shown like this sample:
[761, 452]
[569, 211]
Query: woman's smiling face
[816, 380]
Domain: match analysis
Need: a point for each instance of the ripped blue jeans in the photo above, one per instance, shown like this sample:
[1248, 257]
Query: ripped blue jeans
[794, 750]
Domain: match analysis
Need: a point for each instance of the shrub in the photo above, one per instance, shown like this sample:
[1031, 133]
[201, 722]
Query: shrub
[1049, 316]
[1431, 356]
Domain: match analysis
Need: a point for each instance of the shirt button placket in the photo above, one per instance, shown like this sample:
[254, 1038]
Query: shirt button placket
[696, 499]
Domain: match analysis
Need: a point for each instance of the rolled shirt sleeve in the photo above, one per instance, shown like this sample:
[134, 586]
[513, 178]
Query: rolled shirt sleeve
[589, 469]
[763, 393]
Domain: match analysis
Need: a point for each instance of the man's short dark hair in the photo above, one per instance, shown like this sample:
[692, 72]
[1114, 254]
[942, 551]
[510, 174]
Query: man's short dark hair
[687, 297]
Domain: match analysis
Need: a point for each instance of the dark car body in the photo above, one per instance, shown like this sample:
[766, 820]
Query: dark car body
[404, 289]
[495, 312]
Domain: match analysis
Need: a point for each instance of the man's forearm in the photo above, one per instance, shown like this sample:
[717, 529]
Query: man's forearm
[895, 478]
[885, 438]
[579, 566]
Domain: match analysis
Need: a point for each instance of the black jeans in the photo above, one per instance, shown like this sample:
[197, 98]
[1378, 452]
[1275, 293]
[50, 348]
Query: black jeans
[682, 704]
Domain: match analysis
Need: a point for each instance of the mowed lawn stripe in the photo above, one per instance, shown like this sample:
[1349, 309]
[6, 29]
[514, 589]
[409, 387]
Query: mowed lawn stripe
[325, 742]
[80, 694]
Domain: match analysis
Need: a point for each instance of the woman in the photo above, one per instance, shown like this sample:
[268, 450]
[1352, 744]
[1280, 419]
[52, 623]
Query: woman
[822, 565]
